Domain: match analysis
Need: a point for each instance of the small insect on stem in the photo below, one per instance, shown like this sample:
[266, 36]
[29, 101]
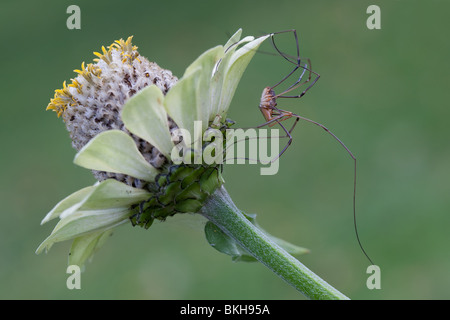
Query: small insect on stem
[274, 115]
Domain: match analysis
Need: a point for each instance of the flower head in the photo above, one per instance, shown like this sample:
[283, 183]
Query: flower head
[93, 101]
[126, 116]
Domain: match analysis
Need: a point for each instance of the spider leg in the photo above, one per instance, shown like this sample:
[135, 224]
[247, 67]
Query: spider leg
[354, 176]
[297, 61]
[283, 115]
[299, 83]
[291, 59]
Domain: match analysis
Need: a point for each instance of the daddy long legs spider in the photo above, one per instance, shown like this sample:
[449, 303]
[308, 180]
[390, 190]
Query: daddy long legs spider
[274, 115]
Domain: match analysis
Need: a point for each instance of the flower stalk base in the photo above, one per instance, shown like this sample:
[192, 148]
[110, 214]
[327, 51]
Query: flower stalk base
[220, 209]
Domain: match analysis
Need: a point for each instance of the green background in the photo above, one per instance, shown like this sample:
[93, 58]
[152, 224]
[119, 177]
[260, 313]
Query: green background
[385, 93]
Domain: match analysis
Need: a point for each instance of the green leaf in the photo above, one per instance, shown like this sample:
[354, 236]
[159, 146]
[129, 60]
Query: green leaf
[111, 193]
[236, 66]
[145, 116]
[94, 209]
[84, 247]
[234, 39]
[115, 151]
[206, 62]
[221, 69]
[82, 223]
[107, 194]
[181, 104]
[227, 245]
[223, 243]
[69, 204]
[208, 84]
[189, 99]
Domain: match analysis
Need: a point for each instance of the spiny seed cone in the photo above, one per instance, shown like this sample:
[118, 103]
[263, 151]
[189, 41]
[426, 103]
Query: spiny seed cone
[92, 103]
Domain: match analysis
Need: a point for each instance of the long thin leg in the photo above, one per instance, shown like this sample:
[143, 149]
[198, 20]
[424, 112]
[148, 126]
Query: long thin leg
[327, 130]
[297, 62]
[354, 177]
[284, 115]
[288, 135]
[298, 85]
[287, 77]
[304, 67]
[281, 117]
[285, 56]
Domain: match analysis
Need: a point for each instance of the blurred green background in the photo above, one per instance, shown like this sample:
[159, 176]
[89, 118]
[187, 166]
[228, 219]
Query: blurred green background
[385, 93]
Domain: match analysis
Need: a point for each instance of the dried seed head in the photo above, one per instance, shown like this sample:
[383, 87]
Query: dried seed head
[92, 103]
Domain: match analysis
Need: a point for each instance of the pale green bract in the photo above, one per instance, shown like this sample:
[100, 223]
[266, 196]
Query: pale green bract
[203, 93]
[209, 83]
[115, 151]
[145, 116]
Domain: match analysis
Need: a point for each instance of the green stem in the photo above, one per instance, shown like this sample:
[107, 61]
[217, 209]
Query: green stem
[220, 209]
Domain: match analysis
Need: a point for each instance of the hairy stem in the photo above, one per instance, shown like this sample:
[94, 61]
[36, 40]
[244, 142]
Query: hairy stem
[221, 210]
